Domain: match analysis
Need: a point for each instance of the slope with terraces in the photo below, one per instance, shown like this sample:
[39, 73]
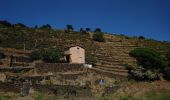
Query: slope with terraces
[113, 57]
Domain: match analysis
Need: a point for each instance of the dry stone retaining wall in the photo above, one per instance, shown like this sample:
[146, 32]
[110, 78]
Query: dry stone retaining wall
[58, 67]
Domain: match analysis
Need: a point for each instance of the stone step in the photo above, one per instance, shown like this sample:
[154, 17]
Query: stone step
[117, 75]
[113, 69]
[119, 60]
[116, 66]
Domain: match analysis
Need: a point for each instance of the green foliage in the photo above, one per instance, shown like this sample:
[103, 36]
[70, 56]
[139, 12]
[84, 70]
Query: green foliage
[88, 29]
[6, 98]
[37, 55]
[168, 58]
[51, 55]
[124, 98]
[98, 37]
[5, 23]
[156, 95]
[150, 63]
[70, 27]
[141, 37]
[2, 55]
[20, 25]
[91, 60]
[167, 73]
[39, 97]
[97, 30]
[47, 26]
[148, 58]
[83, 31]
[167, 68]
[141, 75]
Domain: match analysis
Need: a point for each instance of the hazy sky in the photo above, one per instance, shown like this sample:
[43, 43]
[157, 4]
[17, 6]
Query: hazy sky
[150, 18]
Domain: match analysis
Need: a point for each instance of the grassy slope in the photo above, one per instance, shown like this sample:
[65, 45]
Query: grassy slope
[111, 55]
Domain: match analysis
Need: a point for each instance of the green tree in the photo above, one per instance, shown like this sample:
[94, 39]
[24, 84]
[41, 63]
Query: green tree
[20, 25]
[52, 55]
[91, 60]
[37, 55]
[150, 64]
[69, 28]
[97, 30]
[148, 58]
[47, 26]
[168, 58]
[2, 55]
[141, 37]
[6, 23]
[81, 29]
[167, 68]
[88, 29]
[98, 37]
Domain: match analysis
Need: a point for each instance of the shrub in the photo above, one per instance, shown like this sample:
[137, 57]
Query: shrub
[5, 23]
[88, 29]
[167, 73]
[168, 58]
[2, 55]
[98, 37]
[91, 60]
[36, 55]
[150, 63]
[20, 25]
[141, 37]
[141, 75]
[47, 26]
[51, 55]
[148, 58]
[97, 30]
[167, 69]
[70, 27]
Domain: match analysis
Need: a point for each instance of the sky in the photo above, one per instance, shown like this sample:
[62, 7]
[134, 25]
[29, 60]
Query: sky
[148, 18]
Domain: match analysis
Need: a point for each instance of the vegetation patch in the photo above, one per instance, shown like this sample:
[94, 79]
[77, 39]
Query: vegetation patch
[150, 64]
[51, 55]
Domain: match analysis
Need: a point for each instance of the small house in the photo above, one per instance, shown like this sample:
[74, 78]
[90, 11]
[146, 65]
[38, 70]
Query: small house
[75, 54]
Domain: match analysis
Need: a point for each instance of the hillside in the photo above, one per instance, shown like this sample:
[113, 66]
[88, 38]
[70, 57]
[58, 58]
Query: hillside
[112, 55]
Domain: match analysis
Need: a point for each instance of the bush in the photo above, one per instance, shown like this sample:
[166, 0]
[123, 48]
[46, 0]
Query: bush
[5, 23]
[148, 58]
[69, 28]
[167, 73]
[37, 55]
[167, 69]
[98, 30]
[168, 58]
[150, 63]
[141, 75]
[98, 37]
[2, 55]
[20, 25]
[141, 37]
[47, 26]
[51, 55]
[91, 60]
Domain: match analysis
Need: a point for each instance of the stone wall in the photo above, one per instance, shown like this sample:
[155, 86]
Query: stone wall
[58, 67]
[65, 91]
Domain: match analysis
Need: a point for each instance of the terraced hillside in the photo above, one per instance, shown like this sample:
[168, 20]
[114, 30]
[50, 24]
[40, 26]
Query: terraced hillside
[112, 55]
